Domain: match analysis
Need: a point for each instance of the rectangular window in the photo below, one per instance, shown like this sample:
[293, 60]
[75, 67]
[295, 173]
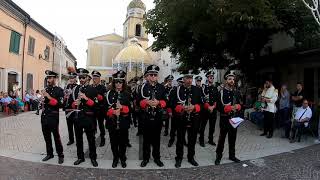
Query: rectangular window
[29, 81]
[15, 42]
[31, 45]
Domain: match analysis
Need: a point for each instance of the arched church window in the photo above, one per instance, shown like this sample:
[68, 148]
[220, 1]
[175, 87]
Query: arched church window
[138, 30]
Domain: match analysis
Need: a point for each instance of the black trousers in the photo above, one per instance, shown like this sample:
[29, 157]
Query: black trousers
[100, 116]
[85, 124]
[173, 128]
[212, 117]
[118, 141]
[297, 130]
[47, 130]
[151, 138]
[192, 131]
[268, 122]
[13, 107]
[226, 128]
[166, 121]
[70, 125]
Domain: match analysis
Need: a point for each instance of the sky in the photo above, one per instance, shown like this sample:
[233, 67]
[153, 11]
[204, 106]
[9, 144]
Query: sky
[78, 20]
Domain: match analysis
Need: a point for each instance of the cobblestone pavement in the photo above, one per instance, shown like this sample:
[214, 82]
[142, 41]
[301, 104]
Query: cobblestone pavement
[302, 164]
[21, 138]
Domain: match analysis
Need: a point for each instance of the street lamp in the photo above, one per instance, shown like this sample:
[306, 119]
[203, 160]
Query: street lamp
[46, 54]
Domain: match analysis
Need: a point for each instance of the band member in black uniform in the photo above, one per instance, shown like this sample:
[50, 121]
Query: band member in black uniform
[152, 102]
[69, 97]
[198, 80]
[187, 101]
[118, 123]
[173, 128]
[85, 117]
[229, 106]
[210, 93]
[168, 86]
[100, 109]
[140, 115]
[52, 101]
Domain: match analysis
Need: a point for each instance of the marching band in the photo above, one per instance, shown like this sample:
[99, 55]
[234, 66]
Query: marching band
[185, 108]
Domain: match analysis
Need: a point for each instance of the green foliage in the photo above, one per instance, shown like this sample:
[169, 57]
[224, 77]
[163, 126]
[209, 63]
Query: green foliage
[206, 33]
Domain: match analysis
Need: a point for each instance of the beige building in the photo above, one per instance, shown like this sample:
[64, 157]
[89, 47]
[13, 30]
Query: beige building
[26, 49]
[129, 52]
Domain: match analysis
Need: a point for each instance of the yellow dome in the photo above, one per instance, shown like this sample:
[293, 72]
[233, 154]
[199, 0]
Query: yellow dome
[133, 53]
[137, 4]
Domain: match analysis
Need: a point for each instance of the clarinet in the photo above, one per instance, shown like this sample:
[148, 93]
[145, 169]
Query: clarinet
[118, 107]
[153, 97]
[188, 103]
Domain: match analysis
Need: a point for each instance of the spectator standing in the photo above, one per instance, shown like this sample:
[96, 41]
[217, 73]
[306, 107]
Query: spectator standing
[268, 99]
[284, 108]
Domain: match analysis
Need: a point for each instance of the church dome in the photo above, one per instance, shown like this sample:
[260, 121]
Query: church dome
[133, 53]
[137, 4]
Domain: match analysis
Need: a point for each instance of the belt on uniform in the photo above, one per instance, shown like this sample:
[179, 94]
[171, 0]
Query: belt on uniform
[52, 112]
[89, 113]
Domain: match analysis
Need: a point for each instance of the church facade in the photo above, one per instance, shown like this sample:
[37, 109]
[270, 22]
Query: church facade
[129, 52]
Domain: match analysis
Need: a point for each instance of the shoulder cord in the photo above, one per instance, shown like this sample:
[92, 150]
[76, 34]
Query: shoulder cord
[141, 91]
[107, 97]
[221, 96]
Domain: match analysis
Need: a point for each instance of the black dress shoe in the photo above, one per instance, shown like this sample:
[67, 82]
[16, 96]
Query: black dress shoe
[166, 133]
[79, 161]
[217, 161]
[94, 163]
[69, 143]
[234, 159]
[193, 162]
[212, 143]
[115, 163]
[60, 160]
[170, 143]
[129, 145]
[123, 164]
[269, 136]
[144, 163]
[185, 143]
[202, 144]
[102, 142]
[178, 163]
[263, 134]
[47, 157]
[158, 162]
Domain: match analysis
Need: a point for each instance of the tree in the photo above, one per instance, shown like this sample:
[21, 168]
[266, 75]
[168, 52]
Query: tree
[206, 33]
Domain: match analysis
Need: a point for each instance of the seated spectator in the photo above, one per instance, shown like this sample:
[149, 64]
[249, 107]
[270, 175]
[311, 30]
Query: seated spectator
[248, 107]
[27, 100]
[20, 104]
[9, 102]
[301, 120]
